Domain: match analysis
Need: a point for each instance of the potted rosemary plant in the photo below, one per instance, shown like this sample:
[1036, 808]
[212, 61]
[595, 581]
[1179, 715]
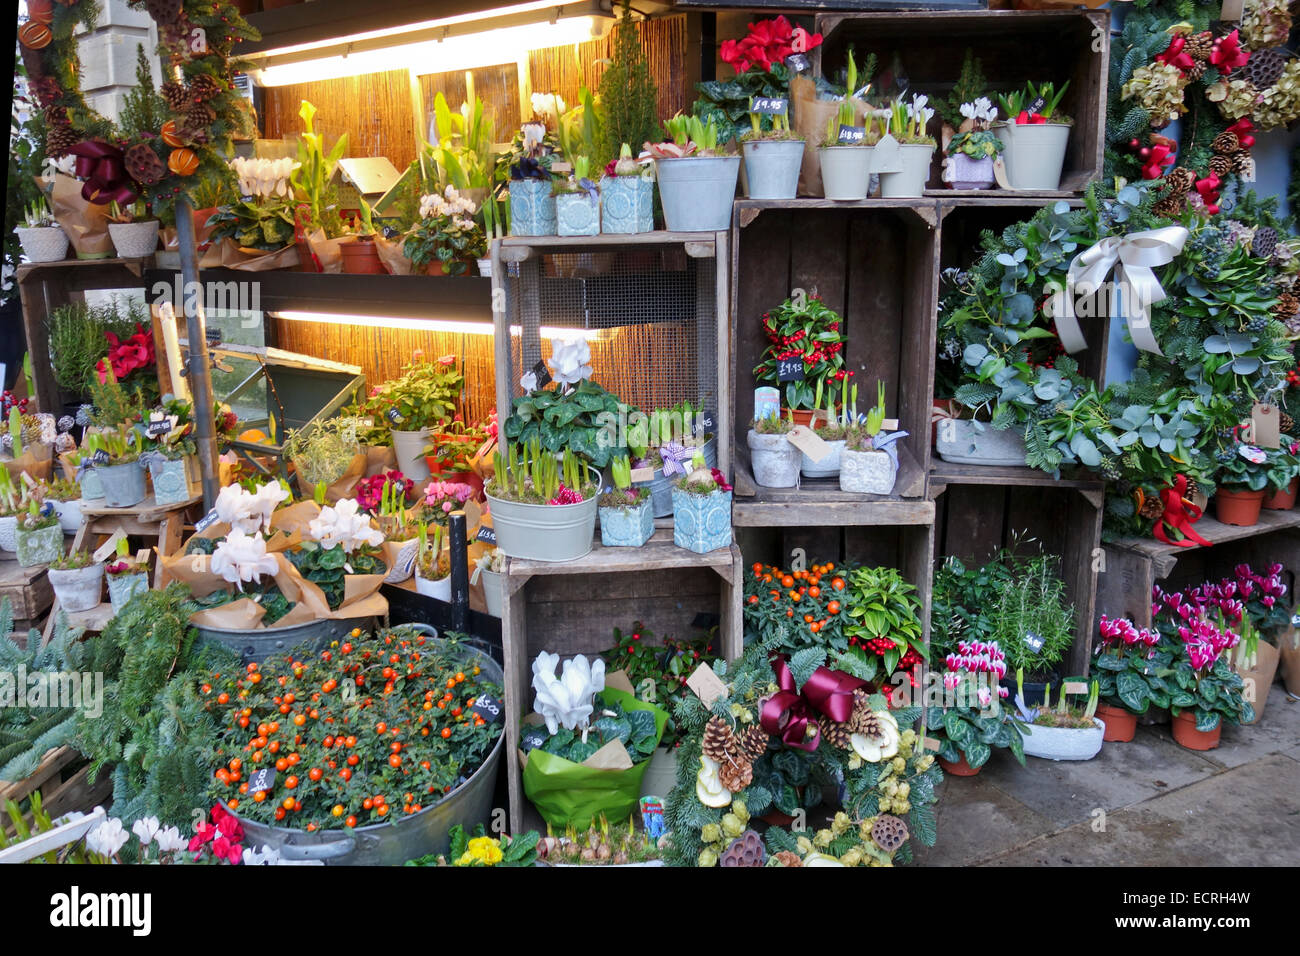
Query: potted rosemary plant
[39, 538]
[626, 517]
[78, 581]
[542, 509]
[702, 509]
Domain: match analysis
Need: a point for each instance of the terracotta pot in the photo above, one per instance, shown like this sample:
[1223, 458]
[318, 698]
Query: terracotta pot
[1282, 499]
[959, 769]
[1238, 507]
[803, 416]
[1289, 661]
[1262, 674]
[1186, 734]
[435, 466]
[1121, 725]
[361, 256]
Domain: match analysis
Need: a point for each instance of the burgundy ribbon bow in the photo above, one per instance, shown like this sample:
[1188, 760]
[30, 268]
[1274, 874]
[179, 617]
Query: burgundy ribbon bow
[1179, 514]
[788, 713]
[101, 166]
[1026, 118]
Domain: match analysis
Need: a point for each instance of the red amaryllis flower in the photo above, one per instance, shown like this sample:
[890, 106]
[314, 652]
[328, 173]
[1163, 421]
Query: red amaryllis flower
[1227, 54]
[126, 357]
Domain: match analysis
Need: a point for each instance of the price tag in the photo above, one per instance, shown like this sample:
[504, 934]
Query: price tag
[1033, 641]
[1267, 427]
[929, 743]
[109, 547]
[1295, 619]
[260, 780]
[487, 707]
[707, 685]
[486, 535]
[851, 134]
[809, 442]
[1036, 106]
[642, 474]
[789, 369]
[798, 62]
[100, 457]
[1000, 173]
[770, 105]
[542, 373]
[394, 416]
[705, 423]
[767, 402]
[206, 521]
[1076, 687]
[158, 427]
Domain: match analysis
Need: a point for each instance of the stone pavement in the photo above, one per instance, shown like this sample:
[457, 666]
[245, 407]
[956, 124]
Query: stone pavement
[1148, 802]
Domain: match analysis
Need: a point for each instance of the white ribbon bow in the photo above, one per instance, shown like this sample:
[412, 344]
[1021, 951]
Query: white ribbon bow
[1132, 257]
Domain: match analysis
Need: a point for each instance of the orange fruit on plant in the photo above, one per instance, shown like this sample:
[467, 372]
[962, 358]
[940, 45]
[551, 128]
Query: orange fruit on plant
[446, 732]
[787, 582]
[259, 797]
[350, 822]
[833, 607]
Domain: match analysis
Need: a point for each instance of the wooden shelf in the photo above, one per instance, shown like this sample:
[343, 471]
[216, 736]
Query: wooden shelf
[146, 512]
[134, 265]
[966, 198]
[657, 553]
[699, 245]
[94, 620]
[944, 473]
[1212, 530]
[745, 211]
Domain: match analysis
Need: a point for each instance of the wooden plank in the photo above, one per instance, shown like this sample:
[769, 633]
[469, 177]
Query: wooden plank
[923, 206]
[658, 552]
[48, 771]
[950, 473]
[819, 256]
[724, 293]
[748, 512]
[517, 699]
[917, 349]
[1165, 555]
[1081, 557]
[28, 589]
[975, 522]
[1124, 584]
[700, 242]
[761, 272]
[875, 307]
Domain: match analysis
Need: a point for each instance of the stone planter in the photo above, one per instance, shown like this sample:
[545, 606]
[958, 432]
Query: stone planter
[1034, 153]
[627, 527]
[696, 192]
[69, 513]
[867, 472]
[701, 523]
[966, 172]
[92, 489]
[627, 204]
[828, 467]
[774, 460]
[1065, 743]
[38, 547]
[846, 171]
[9, 533]
[978, 443]
[123, 587]
[78, 589]
[124, 485]
[44, 243]
[909, 181]
[134, 240]
[577, 214]
[532, 208]
[772, 167]
[171, 483]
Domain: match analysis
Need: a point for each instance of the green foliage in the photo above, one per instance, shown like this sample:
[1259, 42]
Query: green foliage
[582, 419]
[628, 92]
[26, 161]
[311, 180]
[423, 396]
[328, 568]
[635, 729]
[970, 86]
[143, 110]
[255, 224]
[805, 327]
[76, 336]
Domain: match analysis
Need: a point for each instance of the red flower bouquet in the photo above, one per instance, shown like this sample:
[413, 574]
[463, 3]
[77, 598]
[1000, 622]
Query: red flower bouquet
[123, 358]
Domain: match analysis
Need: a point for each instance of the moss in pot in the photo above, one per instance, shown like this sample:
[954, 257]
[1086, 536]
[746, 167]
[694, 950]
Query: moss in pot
[626, 516]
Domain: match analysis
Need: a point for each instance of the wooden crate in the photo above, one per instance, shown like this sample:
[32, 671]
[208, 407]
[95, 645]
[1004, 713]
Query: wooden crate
[29, 592]
[1014, 47]
[875, 263]
[62, 780]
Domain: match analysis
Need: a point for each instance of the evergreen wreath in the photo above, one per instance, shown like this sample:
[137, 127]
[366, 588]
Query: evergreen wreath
[203, 111]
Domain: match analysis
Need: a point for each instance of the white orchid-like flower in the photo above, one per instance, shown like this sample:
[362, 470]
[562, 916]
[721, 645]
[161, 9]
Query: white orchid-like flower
[344, 526]
[263, 178]
[548, 104]
[528, 381]
[570, 361]
[146, 829]
[241, 558]
[169, 840]
[266, 500]
[107, 838]
[567, 700]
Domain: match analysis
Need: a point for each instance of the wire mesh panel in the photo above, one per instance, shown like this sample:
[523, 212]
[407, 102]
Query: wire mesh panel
[650, 317]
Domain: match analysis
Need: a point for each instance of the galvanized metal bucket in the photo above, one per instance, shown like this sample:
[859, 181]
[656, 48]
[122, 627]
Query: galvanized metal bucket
[260, 643]
[392, 844]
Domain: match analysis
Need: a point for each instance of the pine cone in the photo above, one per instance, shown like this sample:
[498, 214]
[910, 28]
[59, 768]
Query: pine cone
[56, 116]
[1226, 143]
[204, 87]
[837, 735]
[1264, 67]
[1288, 304]
[1181, 180]
[736, 775]
[1196, 70]
[1264, 243]
[719, 743]
[143, 164]
[59, 141]
[1199, 45]
[163, 11]
[745, 850]
[866, 724]
[861, 710]
[1242, 162]
[1152, 507]
[1221, 165]
[889, 832]
[1286, 423]
[177, 96]
[753, 742]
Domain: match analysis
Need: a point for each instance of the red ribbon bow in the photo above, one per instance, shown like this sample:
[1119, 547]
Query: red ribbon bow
[1157, 159]
[1026, 118]
[1179, 514]
[1227, 54]
[1209, 190]
[101, 166]
[1175, 56]
[789, 713]
[1243, 128]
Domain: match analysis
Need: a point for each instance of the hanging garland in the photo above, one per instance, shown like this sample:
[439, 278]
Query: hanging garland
[206, 111]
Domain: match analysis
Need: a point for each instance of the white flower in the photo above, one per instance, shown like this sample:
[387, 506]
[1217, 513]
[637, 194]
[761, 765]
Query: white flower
[242, 557]
[566, 701]
[917, 104]
[263, 178]
[235, 507]
[170, 840]
[534, 133]
[266, 856]
[528, 381]
[266, 500]
[569, 361]
[145, 829]
[342, 526]
[107, 838]
[985, 110]
[548, 104]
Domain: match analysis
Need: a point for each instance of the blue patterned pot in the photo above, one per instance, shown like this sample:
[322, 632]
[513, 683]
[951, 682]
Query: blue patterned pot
[123, 587]
[170, 482]
[627, 527]
[532, 208]
[701, 523]
[627, 204]
[577, 214]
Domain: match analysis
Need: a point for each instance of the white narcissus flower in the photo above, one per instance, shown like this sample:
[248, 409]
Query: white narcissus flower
[241, 557]
[343, 526]
[107, 838]
[146, 829]
[567, 700]
[570, 360]
[169, 840]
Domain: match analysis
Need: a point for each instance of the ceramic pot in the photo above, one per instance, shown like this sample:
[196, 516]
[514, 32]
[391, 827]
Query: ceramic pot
[828, 467]
[627, 527]
[484, 267]
[69, 513]
[1034, 153]
[1186, 734]
[661, 487]
[846, 171]
[171, 483]
[493, 591]
[123, 587]
[9, 533]
[701, 523]
[772, 168]
[966, 172]
[532, 208]
[696, 192]
[867, 472]
[774, 460]
[1282, 499]
[38, 547]
[627, 204]
[124, 485]
[440, 589]
[1238, 506]
[962, 442]
[409, 446]
[577, 214]
[1065, 743]
[910, 180]
[134, 240]
[1120, 724]
[43, 243]
[78, 589]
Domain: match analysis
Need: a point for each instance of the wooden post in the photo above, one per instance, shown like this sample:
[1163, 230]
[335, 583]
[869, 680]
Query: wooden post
[199, 371]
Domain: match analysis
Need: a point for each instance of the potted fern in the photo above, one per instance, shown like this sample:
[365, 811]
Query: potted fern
[1062, 732]
[696, 181]
[626, 516]
[702, 509]
[38, 538]
[42, 238]
[133, 230]
[432, 563]
[542, 509]
[78, 581]
[1035, 135]
[774, 460]
[868, 465]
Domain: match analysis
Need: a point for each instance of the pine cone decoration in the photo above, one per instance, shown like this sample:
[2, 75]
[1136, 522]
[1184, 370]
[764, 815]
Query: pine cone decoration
[736, 775]
[1265, 242]
[144, 165]
[1152, 508]
[753, 742]
[163, 11]
[1226, 143]
[787, 858]
[56, 116]
[1264, 67]
[59, 141]
[1221, 165]
[1196, 70]
[745, 850]
[204, 87]
[719, 743]
[1199, 45]
[837, 735]
[1171, 207]
[889, 832]
[1181, 180]
[861, 710]
[177, 96]
[867, 724]
[1288, 304]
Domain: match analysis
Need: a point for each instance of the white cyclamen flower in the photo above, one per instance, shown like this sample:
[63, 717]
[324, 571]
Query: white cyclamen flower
[569, 361]
[266, 500]
[107, 838]
[528, 381]
[236, 507]
[170, 840]
[566, 701]
[265, 856]
[146, 829]
[242, 557]
[342, 526]
[985, 110]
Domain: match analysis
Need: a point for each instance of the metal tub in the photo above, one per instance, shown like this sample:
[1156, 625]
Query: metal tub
[260, 643]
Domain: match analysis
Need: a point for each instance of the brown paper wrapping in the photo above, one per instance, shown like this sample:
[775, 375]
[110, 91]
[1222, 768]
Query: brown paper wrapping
[327, 251]
[379, 458]
[230, 256]
[85, 222]
[341, 487]
[391, 254]
[37, 461]
[810, 116]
